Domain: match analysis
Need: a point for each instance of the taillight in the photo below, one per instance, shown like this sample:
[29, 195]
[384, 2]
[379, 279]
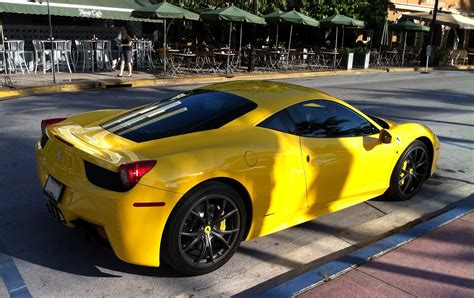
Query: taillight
[131, 173]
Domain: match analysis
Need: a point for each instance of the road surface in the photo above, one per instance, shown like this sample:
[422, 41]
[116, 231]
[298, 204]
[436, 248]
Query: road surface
[40, 255]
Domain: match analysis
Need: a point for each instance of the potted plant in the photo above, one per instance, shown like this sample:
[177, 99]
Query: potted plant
[441, 56]
[347, 58]
[361, 57]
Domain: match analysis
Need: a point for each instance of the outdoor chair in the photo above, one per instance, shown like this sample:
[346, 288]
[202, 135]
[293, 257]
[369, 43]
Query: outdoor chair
[3, 61]
[375, 58]
[172, 67]
[320, 60]
[147, 54]
[16, 56]
[104, 54]
[205, 61]
[462, 57]
[63, 55]
[235, 61]
[260, 57]
[41, 55]
[89, 55]
[85, 54]
[415, 57]
[296, 60]
[215, 64]
[334, 60]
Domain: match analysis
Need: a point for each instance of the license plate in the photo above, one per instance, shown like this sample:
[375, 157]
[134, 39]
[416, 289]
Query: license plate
[53, 189]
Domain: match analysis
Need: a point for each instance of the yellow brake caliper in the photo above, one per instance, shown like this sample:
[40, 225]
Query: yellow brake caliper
[402, 174]
[222, 226]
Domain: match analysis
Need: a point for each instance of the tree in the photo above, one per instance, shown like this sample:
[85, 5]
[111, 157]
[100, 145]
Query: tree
[371, 11]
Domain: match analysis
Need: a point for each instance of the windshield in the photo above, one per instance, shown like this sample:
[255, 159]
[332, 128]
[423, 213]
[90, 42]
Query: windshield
[194, 111]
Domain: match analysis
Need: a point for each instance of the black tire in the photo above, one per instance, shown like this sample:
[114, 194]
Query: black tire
[196, 242]
[410, 172]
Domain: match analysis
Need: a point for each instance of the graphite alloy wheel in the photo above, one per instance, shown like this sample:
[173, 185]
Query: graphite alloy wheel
[206, 229]
[410, 172]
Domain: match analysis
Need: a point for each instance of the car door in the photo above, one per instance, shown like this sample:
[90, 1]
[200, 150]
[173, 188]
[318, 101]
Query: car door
[281, 178]
[344, 161]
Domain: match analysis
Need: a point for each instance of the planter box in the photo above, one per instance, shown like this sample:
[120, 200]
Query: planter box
[347, 60]
[362, 60]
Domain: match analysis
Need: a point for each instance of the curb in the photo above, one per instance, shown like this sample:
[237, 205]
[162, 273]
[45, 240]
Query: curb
[331, 270]
[161, 82]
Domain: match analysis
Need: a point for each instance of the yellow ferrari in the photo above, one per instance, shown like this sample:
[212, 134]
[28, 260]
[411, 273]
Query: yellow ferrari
[185, 179]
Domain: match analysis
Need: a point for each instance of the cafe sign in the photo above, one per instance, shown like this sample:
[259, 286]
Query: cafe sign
[90, 13]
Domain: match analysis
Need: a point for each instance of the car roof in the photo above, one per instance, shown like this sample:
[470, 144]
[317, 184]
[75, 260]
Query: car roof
[270, 96]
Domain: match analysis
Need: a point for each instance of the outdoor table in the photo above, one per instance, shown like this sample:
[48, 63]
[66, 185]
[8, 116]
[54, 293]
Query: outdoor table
[374, 58]
[392, 57]
[278, 59]
[310, 58]
[223, 56]
[333, 55]
[184, 56]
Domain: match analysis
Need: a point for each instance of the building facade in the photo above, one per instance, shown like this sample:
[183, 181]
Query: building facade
[397, 8]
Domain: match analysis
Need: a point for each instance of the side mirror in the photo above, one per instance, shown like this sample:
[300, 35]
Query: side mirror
[385, 137]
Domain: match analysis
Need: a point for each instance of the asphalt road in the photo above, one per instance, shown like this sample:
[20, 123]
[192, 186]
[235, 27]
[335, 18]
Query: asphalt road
[39, 254]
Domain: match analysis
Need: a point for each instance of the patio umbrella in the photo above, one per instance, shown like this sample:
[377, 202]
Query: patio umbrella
[165, 11]
[232, 15]
[293, 18]
[272, 18]
[405, 26]
[344, 21]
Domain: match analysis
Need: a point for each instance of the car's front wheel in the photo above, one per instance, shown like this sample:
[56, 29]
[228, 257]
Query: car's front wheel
[410, 172]
[205, 229]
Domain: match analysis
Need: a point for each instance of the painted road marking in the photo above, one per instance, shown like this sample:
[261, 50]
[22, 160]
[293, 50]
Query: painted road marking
[14, 283]
[319, 275]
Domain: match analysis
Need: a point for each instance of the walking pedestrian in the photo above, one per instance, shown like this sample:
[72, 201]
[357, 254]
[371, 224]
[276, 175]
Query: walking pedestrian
[127, 54]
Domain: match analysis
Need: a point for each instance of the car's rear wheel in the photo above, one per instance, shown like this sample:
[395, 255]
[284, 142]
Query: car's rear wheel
[205, 230]
[410, 172]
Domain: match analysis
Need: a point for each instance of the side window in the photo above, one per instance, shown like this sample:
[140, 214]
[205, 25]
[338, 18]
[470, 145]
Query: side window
[326, 119]
[281, 121]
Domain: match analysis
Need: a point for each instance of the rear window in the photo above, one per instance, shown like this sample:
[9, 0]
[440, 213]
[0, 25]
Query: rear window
[194, 111]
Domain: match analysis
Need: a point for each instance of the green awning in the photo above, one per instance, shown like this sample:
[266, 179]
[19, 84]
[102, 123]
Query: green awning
[291, 17]
[97, 9]
[231, 14]
[165, 10]
[407, 25]
[342, 20]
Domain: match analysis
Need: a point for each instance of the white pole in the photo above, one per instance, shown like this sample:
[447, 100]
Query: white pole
[335, 48]
[52, 44]
[289, 47]
[165, 48]
[3, 51]
[240, 42]
[404, 47]
[278, 31]
[228, 53]
[343, 31]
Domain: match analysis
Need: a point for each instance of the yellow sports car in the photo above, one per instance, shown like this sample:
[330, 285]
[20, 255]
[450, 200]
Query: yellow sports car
[185, 179]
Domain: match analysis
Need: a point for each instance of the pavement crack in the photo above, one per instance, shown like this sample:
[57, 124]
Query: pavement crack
[378, 209]
[387, 283]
